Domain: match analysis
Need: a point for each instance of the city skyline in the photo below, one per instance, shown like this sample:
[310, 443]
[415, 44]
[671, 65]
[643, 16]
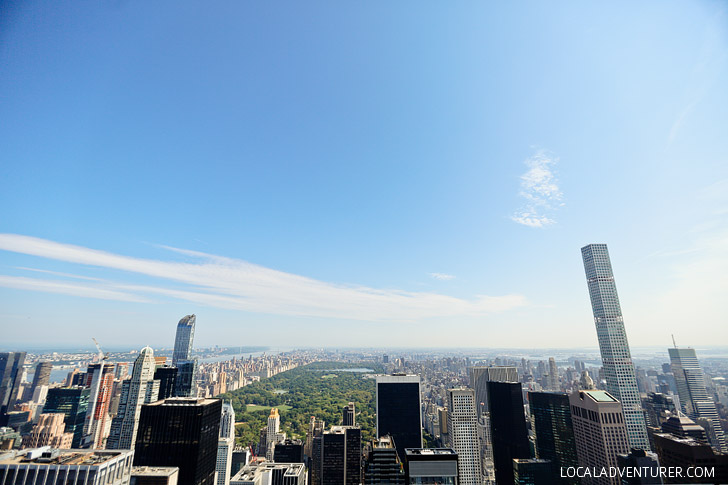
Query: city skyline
[389, 173]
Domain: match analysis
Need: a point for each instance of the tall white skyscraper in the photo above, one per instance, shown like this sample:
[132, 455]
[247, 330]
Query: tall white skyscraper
[142, 388]
[616, 358]
[694, 398]
[183, 339]
[225, 444]
[463, 434]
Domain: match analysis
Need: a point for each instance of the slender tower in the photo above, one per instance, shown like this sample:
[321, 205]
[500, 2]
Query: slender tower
[613, 345]
[183, 339]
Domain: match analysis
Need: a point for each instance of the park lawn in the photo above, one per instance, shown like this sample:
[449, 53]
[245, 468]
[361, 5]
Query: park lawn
[255, 407]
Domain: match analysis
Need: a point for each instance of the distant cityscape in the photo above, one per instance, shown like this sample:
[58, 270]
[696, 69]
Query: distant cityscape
[271, 416]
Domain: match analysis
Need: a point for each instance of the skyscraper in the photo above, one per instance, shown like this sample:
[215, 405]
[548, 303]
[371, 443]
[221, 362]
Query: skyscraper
[180, 432]
[337, 457]
[554, 431]
[185, 385]
[599, 431]
[167, 377]
[481, 375]
[42, 376]
[272, 433]
[11, 365]
[694, 398]
[381, 463]
[348, 417]
[72, 402]
[508, 425]
[616, 358]
[399, 410]
[463, 434]
[183, 339]
[140, 389]
[225, 444]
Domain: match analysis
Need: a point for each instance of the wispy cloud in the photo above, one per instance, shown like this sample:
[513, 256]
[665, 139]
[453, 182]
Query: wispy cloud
[442, 276]
[540, 189]
[229, 283]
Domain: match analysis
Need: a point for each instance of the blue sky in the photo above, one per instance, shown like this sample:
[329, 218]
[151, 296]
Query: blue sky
[361, 173]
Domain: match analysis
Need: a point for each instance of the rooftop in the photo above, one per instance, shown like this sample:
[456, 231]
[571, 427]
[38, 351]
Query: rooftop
[183, 401]
[429, 451]
[154, 471]
[47, 456]
[600, 396]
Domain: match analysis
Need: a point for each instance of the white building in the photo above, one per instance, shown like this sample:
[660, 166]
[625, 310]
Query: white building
[616, 357]
[142, 388]
[463, 434]
[225, 444]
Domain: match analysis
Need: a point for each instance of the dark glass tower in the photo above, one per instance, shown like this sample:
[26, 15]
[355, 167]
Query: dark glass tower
[288, 451]
[183, 339]
[508, 428]
[399, 411]
[10, 365]
[554, 432]
[348, 415]
[337, 457]
[183, 433]
[167, 377]
[72, 402]
[185, 381]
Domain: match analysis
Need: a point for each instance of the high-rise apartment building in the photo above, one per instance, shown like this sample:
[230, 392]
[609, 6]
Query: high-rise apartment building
[551, 417]
[479, 377]
[11, 366]
[72, 402]
[140, 389]
[348, 415]
[399, 413]
[183, 339]
[463, 434]
[600, 432]
[180, 432]
[185, 385]
[617, 362]
[508, 427]
[694, 399]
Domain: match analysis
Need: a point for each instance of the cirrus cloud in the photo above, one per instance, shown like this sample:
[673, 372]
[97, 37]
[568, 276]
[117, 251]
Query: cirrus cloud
[235, 284]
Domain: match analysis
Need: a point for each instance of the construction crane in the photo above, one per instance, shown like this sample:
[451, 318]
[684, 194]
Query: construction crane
[102, 356]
